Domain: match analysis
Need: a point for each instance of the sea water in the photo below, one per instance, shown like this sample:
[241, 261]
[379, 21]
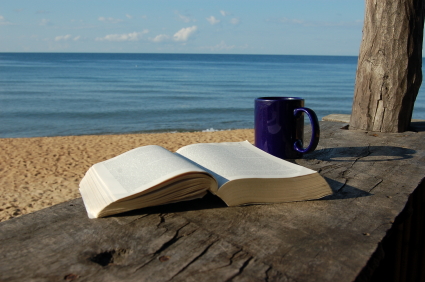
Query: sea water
[54, 94]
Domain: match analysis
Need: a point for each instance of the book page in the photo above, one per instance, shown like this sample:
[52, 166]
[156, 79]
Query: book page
[140, 169]
[236, 160]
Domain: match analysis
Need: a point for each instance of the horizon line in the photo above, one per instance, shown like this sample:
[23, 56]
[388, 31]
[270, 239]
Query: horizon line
[161, 53]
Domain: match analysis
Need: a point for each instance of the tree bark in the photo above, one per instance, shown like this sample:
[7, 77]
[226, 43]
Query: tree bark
[389, 71]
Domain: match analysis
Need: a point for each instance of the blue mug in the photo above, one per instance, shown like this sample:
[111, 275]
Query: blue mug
[279, 127]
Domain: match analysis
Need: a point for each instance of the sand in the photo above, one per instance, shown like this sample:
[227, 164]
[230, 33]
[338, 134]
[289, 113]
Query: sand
[36, 173]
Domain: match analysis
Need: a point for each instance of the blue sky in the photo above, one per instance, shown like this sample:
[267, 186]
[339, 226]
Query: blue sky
[300, 27]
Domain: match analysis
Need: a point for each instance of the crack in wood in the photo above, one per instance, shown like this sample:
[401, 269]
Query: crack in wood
[376, 185]
[346, 171]
[342, 186]
[161, 220]
[164, 246]
[195, 259]
[129, 219]
[326, 168]
[170, 242]
[241, 269]
[267, 274]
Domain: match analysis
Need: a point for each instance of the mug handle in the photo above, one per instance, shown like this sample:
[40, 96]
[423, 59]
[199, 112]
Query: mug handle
[315, 131]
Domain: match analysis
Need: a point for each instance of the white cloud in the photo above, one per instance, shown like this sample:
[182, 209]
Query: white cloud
[109, 20]
[3, 21]
[184, 18]
[134, 36]
[221, 46]
[159, 38]
[129, 16]
[287, 21]
[212, 20]
[63, 37]
[67, 37]
[292, 21]
[44, 22]
[224, 13]
[235, 21]
[184, 33]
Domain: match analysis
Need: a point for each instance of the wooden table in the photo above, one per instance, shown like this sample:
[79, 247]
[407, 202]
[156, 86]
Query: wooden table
[374, 219]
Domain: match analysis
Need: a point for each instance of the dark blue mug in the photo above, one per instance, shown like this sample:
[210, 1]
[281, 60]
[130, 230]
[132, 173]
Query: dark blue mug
[279, 126]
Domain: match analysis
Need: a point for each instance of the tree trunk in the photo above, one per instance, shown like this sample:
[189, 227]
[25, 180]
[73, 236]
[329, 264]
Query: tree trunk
[389, 71]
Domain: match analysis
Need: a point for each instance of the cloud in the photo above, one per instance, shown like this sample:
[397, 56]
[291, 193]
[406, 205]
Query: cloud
[3, 21]
[291, 21]
[159, 38]
[184, 33]
[235, 21]
[212, 20]
[109, 20]
[129, 16]
[221, 46]
[63, 37]
[44, 22]
[224, 13]
[184, 18]
[304, 23]
[134, 36]
[67, 37]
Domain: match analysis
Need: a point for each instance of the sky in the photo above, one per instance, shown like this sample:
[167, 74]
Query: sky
[281, 27]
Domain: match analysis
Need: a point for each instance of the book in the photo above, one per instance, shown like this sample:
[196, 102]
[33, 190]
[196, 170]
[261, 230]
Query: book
[237, 172]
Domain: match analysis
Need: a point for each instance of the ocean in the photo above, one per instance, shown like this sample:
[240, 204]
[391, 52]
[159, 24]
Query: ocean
[60, 94]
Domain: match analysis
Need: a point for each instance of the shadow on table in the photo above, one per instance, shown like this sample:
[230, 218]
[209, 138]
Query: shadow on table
[209, 201]
[340, 190]
[417, 126]
[361, 154]
[343, 191]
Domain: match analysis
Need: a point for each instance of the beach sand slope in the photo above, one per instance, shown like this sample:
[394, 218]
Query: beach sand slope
[40, 172]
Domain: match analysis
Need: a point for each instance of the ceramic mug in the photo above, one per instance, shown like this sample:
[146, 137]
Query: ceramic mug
[279, 126]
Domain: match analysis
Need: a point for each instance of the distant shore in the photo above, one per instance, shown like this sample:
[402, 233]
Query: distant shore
[39, 172]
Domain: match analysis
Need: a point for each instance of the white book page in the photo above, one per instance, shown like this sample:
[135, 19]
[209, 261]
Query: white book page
[235, 160]
[140, 169]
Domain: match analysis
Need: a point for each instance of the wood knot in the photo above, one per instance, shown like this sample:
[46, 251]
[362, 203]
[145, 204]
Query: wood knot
[70, 277]
[164, 258]
[117, 257]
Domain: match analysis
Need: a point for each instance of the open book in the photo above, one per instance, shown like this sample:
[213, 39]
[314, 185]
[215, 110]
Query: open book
[237, 172]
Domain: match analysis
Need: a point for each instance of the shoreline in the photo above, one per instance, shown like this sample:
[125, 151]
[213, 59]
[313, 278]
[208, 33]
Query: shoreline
[38, 172]
[128, 133]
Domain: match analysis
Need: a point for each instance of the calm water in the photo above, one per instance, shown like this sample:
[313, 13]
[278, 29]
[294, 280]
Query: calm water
[51, 94]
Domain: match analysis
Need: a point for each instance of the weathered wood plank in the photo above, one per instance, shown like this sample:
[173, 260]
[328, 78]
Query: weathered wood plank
[371, 174]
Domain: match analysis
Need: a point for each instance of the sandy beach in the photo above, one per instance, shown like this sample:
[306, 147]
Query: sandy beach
[40, 172]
